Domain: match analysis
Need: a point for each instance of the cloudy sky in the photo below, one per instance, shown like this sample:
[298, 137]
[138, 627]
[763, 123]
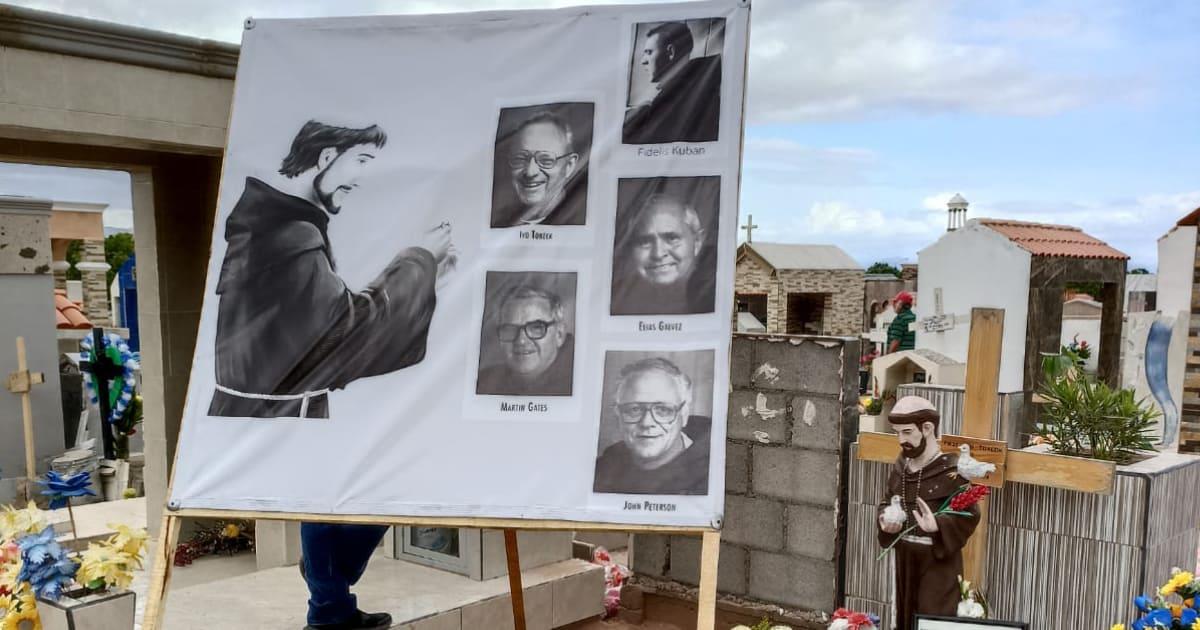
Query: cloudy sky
[866, 115]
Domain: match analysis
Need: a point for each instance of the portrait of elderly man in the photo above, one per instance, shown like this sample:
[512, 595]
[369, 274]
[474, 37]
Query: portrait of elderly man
[663, 447]
[540, 171]
[663, 262]
[682, 100]
[289, 330]
[531, 338]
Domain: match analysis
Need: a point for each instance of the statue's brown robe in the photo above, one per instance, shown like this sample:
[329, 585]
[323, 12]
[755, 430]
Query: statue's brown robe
[927, 574]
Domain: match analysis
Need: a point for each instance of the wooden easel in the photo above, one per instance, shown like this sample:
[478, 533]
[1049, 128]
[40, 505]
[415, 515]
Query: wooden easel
[979, 411]
[20, 383]
[169, 539]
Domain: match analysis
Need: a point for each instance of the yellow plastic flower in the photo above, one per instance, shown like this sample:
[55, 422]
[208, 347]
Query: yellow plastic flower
[129, 541]
[14, 522]
[102, 562]
[6, 603]
[25, 619]
[1177, 581]
[1196, 626]
[231, 531]
[1117, 626]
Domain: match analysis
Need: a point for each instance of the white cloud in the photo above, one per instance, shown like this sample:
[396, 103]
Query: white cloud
[120, 219]
[810, 60]
[937, 201]
[780, 160]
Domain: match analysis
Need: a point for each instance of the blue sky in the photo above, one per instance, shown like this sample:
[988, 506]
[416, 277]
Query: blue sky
[866, 115]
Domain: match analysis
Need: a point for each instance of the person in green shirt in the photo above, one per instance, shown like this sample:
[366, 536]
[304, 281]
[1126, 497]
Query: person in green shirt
[900, 336]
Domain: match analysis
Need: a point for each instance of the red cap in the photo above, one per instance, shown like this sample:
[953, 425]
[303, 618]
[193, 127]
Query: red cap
[903, 297]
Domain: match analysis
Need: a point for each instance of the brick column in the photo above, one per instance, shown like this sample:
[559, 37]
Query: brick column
[95, 285]
[60, 267]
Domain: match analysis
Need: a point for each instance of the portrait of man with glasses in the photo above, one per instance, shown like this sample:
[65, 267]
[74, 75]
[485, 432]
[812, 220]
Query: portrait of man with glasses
[540, 171]
[654, 434]
[527, 347]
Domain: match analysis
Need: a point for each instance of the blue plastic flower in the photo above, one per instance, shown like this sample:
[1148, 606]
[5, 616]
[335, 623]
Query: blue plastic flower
[1143, 603]
[60, 489]
[1188, 617]
[44, 564]
[1159, 618]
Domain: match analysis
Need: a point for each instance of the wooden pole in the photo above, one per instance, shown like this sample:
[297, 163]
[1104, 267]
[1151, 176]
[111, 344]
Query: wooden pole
[979, 414]
[514, 578]
[160, 578]
[27, 419]
[710, 556]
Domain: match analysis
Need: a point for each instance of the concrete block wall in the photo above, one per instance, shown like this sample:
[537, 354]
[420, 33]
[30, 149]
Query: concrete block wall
[792, 414]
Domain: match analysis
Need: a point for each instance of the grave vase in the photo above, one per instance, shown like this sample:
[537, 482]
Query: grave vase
[81, 610]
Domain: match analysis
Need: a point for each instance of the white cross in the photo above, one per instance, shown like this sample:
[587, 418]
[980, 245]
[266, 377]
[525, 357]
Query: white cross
[749, 227]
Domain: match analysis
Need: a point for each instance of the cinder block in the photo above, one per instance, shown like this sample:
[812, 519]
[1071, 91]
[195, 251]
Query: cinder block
[741, 361]
[753, 522]
[792, 580]
[809, 365]
[817, 422]
[748, 422]
[794, 474]
[731, 566]
[650, 554]
[811, 531]
[737, 468]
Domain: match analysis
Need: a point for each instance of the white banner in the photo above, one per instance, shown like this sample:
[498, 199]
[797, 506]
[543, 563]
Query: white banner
[474, 265]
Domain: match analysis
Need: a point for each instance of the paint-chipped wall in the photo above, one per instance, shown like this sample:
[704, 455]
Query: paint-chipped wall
[792, 413]
[27, 296]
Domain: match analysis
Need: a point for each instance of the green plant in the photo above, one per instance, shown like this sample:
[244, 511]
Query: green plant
[1085, 417]
[874, 407]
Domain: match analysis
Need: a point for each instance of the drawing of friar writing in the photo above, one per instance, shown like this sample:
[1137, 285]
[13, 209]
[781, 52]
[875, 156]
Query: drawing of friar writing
[289, 330]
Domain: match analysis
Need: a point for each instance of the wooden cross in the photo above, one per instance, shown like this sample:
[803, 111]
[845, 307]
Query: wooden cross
[979, 430]
[103, 370]
[749, 227]
[20, 383]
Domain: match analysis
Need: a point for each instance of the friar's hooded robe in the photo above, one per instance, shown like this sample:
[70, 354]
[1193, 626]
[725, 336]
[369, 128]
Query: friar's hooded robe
[289, 330]
[927, 564]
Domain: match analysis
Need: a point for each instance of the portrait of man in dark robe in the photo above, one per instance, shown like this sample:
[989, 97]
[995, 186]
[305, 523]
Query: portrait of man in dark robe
[929, 558]
[662, 444]
[682, 102]
[289, 330]
[664, 252]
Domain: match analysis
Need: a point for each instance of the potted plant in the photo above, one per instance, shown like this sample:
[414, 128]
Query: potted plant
[1082, 416]
[100, 599]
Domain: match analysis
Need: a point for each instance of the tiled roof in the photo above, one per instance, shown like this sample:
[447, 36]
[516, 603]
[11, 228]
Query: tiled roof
[67, 314]
[1044, 239]
[1192, 218]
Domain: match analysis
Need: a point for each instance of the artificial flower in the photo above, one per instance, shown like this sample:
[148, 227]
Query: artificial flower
[103, 566]
[129, 541]
[962, 501]
[1117, 626]
[1188, 617]
[970, 609]
[14, 522]
[25, 619]
[1142, 603]
[44, 564]
[61, 489]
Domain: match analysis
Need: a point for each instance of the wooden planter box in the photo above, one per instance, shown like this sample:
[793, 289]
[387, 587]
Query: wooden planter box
[1056, 558]
[112, 610]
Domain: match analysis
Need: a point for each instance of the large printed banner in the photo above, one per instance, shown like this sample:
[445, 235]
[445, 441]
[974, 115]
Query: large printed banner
[474, 265]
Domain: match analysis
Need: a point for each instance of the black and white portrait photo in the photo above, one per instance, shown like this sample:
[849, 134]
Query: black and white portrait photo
[540, 168]
[675, 82]
[289, 330]
[655, 423]
[664, 250]
[527, 345]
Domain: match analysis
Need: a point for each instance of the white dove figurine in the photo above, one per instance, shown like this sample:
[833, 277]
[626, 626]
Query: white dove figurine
[894, 512]
[971, 468]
